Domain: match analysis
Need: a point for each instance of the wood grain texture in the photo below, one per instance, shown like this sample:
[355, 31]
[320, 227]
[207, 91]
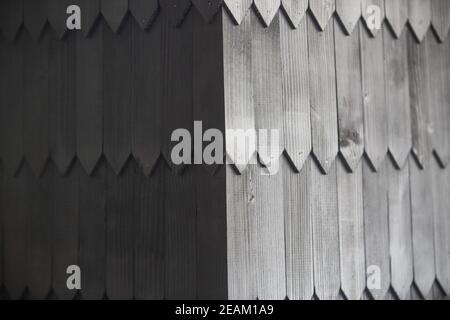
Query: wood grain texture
[298, 231]
[374, 99]
[439, 102]
[175, 10]
[376, 225]
[419, 88]
[419, 17]
[114, 11]
[149, 235]
[35, 17]
[147, 94]
[120, 232]
[11, 18]
[208, 9]
[351, 231]
[441, 203]
[239, 104]
[2, 222]
[62, 101]
[400, 238]
[295, 10]
[267, 91]
[397, 96]
[90, 12]
[238, 9]
[366, 13]
[144, 11]
[322, 83]
[349, 96]
[267, 9]
[89, 102]
[92, 232]
[117, 97]
[36, 100]
[324, 213]
[295, 95]
[422, 226]
[57, 16]
[349, 12]
[397, 15]
[440, 18]
[322, 10]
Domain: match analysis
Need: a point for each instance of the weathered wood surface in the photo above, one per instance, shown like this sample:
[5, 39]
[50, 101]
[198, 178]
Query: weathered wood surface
[397, 15]
[267, 9]
[114, 12]
[295, 10]
[368, 14]
[322, 10]
[144, 11]
[419, 17]
[440, 13]
[349, 13]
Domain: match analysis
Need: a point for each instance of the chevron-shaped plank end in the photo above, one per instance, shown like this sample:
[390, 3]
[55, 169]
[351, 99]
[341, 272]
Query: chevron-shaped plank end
[348, 12]
[57, 16]
[114, 12]
[351, 157]
[440, 17]
[367, 14]
[296, 159]
[240, 165]
[11, 18]
[419, 12]
[375, 160]
[88, 163]
[238, 9]
[266, 10]
[207, 9]
[396, 15]
[294, 10]
[176, 10]
[399, 157]
[322, 10]
[144, 11]
[324, 163]
[35, 17]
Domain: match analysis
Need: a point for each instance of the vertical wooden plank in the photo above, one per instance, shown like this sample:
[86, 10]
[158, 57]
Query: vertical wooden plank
[422, 226]
[295, 10]
[91, 12]
[419, 17]
[11, 18]
[396, 15]
[349, 13]
[114, 12]
[238, 9]
[35, 112]
[239, 109]
[144, 11]
[295, 92]
[349, 96]
[89, 102]
[35, 17]
[208, 10]
[62, 97]
[298, 232]
[351, 231]
[440, 14]
[175, 10]
[419, 88]
[322, 10]
[376, 226]
[147, 95]
[2, 224]
[323, 94]
[267, 10]
[57, 16]
[149, 235]
[117, 86]
[441, 203]
[180, 235]
[397, 96]
[324, 213]
[92, 232]
[367, 14]
[400, 242]
[120, 236]
[374, 98]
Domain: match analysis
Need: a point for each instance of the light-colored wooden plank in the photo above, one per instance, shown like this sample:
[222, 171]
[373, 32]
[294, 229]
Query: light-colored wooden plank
[397, 15]
[322, 10]
[295, 10]
[324, 213]
[349, 13]
[238, 9]
[400, 241]
[351, 231]
[422, 226]
[368, 14]
[266, 10]
[376, 229]
[323, 94]
[440, 18]
[397, 96]
[349, 96]
[419, 17]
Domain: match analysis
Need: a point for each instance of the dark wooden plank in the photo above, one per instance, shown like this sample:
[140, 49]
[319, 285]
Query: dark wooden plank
[367, 14]
[324, 213]
[422, 226]
[36, 100]
[208, 9]
[175, 10]
[57, 15]
[239, 110]
[62, 101]
[238, 9]
[266, 10]
[441, 205]
[419, 17]
[322, 10]
[90, 11]
[351, 231]
[323, 94]
[419, 88]
[374, 98]
[349, 96]
[89, 90]
[120, 233]
[11, 18]
[144, 11]
[2, 222]
[397, 15]
[180, 234]
[298, 232]
[147, 95]
[92, 232]
[376, 226]
[114, 12]
[400, 241]
[35, 17]
[117, 97]
[440, 18]
[295, 95]
[149, 235]
[397, 96]
[349, 13]
[295, 10]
